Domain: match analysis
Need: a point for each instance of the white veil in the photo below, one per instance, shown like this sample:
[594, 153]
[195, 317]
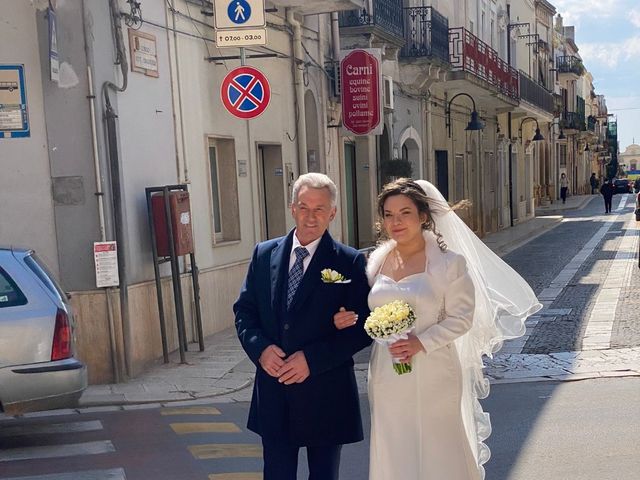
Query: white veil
[504, 300]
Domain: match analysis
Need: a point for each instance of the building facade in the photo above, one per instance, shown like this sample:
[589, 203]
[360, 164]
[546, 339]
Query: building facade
[485, 98]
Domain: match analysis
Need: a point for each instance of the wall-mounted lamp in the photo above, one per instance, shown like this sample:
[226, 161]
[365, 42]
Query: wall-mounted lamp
[474, 123]
[538, 136]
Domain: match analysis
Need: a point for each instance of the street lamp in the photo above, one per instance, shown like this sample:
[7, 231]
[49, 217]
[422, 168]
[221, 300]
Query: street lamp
[474, 124]
[538, 136]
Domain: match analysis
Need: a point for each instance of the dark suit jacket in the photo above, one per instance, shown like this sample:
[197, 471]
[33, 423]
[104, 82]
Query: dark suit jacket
[324, 409]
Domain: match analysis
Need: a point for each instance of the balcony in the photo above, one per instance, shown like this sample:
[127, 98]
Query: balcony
[305, 7]
[426, 33]
[469, 54]
[535, 94]
[573, 122]
[385, 19]
[569, 64]
[591, 123]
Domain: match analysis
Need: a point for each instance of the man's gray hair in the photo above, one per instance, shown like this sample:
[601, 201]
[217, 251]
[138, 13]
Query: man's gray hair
[315, 180]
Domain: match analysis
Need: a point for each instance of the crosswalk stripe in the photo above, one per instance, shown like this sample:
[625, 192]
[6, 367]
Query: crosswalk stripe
[205, 427]
[236, 476]
[111, 474]
[226, 450]
[48, 429]
[190, 411]
[54, 451]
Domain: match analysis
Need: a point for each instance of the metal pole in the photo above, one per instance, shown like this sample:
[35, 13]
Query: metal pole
[175, 275]
[119, 229]
[196, 294]
[156, 269]
[243, 57]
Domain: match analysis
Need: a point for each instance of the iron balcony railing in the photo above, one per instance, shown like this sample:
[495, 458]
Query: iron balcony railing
[573, 121]
[535, 94]
[386, 14]
[426, 33]
[470, 54]
[570, 64]
[591, 123]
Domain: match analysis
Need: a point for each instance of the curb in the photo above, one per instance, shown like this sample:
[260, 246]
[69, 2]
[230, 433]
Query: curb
[559, 211]
[118, 403]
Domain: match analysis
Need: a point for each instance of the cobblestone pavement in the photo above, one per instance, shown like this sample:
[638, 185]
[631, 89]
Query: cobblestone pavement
[585, 272]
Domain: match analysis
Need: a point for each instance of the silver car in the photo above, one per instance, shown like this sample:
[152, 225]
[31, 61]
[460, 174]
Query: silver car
[38, 368]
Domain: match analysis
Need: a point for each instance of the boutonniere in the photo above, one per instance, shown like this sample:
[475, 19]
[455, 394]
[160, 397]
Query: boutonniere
[331, 276]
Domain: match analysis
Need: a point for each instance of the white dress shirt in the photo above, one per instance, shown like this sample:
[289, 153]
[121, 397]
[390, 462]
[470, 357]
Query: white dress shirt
[311, 248]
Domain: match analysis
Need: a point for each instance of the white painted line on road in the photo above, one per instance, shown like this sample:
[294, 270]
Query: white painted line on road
[111, 474]
[597, 335]
[55, 451]
[558, 284]
[50, 429]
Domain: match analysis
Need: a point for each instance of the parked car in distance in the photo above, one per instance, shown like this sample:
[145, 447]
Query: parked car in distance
[38, 368]
[622, 185]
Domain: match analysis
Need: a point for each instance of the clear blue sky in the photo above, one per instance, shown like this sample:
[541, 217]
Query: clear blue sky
[608, 36]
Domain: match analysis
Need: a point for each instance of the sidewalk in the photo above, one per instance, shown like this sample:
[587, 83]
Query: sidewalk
[223, 372]
[574, 202]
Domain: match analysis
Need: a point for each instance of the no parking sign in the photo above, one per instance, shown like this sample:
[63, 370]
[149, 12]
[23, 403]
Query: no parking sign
[245, 92]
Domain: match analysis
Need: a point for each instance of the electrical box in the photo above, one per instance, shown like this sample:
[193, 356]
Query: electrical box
[180, 208]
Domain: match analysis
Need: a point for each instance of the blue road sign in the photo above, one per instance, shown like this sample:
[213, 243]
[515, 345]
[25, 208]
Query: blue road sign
[239, 11]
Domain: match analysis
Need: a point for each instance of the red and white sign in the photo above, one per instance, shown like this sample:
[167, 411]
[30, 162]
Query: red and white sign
[105, 255]
[245, 92]
[361, 91]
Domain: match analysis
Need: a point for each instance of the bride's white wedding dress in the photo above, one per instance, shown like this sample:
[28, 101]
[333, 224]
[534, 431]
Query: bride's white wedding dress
[417, 428]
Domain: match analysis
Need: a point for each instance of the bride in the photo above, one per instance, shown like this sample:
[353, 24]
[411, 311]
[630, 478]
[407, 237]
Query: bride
[428, 424]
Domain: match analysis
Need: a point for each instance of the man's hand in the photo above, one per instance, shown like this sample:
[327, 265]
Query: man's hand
[272, 359]
[294, 370]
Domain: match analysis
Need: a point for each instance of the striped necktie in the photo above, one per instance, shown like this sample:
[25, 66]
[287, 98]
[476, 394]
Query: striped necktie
[296, 273]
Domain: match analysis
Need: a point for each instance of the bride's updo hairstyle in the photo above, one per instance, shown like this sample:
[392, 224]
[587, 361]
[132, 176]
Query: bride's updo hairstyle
[413, 191]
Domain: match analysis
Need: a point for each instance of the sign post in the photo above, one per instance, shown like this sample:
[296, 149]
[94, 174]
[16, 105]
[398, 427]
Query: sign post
[361, 91]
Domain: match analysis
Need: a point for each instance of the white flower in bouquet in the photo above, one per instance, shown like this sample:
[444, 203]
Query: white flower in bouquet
[388, 324]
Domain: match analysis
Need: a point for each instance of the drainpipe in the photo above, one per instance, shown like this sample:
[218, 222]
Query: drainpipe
[116, 368]
[429, 152]
[176, 93]
[298, 82]
[510, 132]
[117, 191]
[335, 36]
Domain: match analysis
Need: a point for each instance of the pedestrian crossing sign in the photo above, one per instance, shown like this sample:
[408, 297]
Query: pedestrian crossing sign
[234, 14]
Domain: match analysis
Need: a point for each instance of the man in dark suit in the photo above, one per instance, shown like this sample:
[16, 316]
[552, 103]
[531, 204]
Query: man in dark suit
[607, 192]
[305, 392]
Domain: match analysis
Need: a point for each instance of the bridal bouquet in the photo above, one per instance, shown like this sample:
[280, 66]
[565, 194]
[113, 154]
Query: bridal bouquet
[388, 324]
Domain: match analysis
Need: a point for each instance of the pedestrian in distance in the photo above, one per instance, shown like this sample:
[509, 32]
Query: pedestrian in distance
[607, 192]
[636, 185]
[305, 392]
[564, 187]
[426, 421]
[594, 183]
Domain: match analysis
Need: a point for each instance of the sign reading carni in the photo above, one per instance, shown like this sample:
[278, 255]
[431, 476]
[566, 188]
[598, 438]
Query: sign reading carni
[360, 91]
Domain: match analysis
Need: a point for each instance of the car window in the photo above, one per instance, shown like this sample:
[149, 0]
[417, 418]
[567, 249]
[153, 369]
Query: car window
[10, 294]
[42, 272]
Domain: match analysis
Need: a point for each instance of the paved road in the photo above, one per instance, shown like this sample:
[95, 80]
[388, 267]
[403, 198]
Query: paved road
[553, 431]
[585, 272]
